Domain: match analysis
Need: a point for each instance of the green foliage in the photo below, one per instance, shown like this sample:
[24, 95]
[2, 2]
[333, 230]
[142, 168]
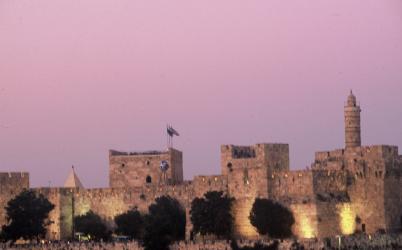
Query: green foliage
[130, 224]
[27, 216]
[91, 225]
[212, 214]
[165, 223]
[271, 218]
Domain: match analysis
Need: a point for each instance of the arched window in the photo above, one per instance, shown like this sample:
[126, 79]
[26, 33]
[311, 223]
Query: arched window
[148, 179]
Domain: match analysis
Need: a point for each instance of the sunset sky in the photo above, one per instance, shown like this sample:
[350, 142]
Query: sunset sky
[78, 78]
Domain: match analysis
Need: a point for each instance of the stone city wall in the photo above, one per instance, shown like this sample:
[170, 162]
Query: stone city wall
[139, 169]
[11, 184]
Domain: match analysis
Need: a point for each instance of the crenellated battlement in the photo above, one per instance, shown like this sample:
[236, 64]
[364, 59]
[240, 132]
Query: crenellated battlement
[144, 168]
[356, 188]
[150, 152]
[13, 181]
[269, 156]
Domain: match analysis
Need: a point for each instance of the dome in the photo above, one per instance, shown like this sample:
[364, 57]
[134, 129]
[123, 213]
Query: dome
[351, 99]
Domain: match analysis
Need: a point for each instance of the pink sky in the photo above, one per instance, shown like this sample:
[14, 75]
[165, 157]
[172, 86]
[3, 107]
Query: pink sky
[78, 78]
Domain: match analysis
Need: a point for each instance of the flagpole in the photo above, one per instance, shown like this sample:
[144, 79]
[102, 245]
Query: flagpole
[168, 136]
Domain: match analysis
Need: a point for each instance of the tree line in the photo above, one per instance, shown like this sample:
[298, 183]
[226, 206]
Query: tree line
[165, 223]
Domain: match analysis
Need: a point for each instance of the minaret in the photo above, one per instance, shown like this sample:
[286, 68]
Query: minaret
[352, 123]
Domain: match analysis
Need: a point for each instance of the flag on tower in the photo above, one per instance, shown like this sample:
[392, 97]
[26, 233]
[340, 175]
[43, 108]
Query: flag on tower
[171, 131]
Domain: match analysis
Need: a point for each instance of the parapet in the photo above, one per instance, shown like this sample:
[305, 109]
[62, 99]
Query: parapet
[203, 184]
[274, 156]
[150, 152]
[14, 180]
[136, 169]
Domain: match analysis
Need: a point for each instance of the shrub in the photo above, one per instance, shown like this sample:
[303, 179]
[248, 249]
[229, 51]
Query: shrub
[92, 225]
[130, 224]
[165, 223]
[27, 216]
[271, 218]
[212, 214]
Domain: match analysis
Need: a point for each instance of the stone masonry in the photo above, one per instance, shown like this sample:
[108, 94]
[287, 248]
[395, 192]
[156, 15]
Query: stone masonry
[357, 188]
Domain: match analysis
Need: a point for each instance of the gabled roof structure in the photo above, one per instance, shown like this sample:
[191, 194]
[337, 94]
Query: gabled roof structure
[72, 180]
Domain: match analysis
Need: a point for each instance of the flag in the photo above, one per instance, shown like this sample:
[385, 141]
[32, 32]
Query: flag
[171, 131]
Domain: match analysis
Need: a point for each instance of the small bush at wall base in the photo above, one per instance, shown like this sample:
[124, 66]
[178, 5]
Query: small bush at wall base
[211, 214]
[92, 225]
[165, 224]
[27, 216]
[130, 224]
[271, 218]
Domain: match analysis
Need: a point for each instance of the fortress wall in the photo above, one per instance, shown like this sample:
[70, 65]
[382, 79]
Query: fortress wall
[11, 184]
[390, 151]
[248, 182]
[277, 156]
[272, 156]
[393, 202]
[306, 220]
[204, 184]
[244, 186]
[241, 211]
[132, 169]
[111, 202]
[362, 184]
[368, 152]
[329, 181]
[323, 218]
[53, 195]
[229, 164]
[371, 183]
[330, 155]
[367, 197]
[291, 184]
[374, 178]
[335, 218]
[342, 157]
[176, 159]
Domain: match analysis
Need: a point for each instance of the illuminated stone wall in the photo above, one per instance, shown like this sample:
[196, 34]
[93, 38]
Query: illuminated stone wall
[11, 184]
[247, 169]
[291, 185]
[53, 195]
[204, 184]
[345, 190]
[306, 220]
[139, 169]
[274, 157]
[373, 184]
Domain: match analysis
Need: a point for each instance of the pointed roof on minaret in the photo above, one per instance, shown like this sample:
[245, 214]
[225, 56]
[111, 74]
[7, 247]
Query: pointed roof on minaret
[351, 99]
[72, 180]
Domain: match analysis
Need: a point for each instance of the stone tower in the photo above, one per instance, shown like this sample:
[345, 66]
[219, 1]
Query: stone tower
[137, 169]
[352, 123]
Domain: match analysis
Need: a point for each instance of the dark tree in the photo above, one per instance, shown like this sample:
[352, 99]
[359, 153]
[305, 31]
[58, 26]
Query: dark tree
[271, 218]
[129, 224]
[27, 216]
[212, 214]
[91, 225]
[165, 223]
